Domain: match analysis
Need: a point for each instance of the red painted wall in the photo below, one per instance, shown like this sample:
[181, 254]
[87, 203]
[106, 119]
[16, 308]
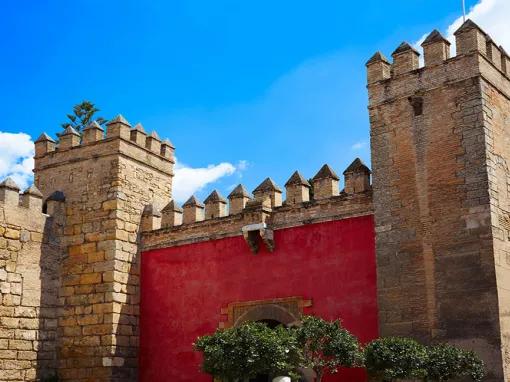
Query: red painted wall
[184, 288]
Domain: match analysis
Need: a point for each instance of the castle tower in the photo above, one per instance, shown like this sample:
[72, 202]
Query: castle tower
[440, 160]
[107, 182]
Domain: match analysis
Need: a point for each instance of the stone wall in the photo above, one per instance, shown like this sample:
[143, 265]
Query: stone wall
[496, 116]
[106, 182]
[29, 258]
[435, 163]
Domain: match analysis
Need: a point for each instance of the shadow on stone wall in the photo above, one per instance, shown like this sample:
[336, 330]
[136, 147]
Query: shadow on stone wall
[49, 263]
[125, 360]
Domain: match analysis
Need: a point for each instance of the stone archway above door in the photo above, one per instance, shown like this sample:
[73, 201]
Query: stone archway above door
[285, 310]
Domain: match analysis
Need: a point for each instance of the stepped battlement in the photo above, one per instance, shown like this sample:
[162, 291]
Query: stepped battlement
[120, 137]
[469, 39]
[30, 201]
[306, 202]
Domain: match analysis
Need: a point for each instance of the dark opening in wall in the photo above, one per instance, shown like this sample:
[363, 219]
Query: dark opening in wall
[417, 104]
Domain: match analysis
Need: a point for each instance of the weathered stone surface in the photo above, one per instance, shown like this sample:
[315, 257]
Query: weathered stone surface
[440, 168]
[107, 183]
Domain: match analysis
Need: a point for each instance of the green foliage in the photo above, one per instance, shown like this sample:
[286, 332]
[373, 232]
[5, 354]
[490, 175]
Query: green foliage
[83, 114]
[395, 358]
[447, 362]
[326, 346]
[249, 350]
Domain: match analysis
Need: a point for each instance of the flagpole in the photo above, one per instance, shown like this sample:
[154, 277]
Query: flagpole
[464, 10]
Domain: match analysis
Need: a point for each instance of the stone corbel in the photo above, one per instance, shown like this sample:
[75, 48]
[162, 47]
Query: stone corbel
[252, 233]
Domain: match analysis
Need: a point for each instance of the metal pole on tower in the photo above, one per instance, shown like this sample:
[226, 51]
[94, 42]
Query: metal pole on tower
[464, 10]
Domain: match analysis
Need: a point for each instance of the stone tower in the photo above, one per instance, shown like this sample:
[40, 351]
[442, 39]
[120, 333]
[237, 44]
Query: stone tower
[105, 184]
[440, 140]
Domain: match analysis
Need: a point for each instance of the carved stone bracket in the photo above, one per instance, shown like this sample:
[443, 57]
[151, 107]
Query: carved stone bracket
[253, 232]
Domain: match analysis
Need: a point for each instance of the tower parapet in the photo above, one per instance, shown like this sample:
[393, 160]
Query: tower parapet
[440, 194]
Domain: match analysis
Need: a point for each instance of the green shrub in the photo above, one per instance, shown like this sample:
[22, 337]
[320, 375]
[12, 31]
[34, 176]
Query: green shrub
[391, 358]
[447, 362]
[249, 350]
[326, 346]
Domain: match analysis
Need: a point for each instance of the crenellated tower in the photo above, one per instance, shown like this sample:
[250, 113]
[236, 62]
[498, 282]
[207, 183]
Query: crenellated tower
[110, 184]
[440, 160]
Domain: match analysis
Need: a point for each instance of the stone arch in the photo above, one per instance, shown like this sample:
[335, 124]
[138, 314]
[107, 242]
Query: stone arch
[286, 310]
[273, 312]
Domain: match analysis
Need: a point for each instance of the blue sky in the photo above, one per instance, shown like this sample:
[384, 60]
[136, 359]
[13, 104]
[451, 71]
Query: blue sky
[261, 88]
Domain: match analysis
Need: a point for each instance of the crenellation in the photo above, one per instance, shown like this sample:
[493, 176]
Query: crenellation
[259, 211]
[153, 143]
[436, 49]
[44, 145]
[238, 199]
[505, 61]
[167, 149]
[118, 127]
[92, 133]
[297, 189]
[357, 177]
[215, 206]
[151, 218]
[269, 189]
[493, 53]
[378, 68]
[138, 135]
[68, 139]
[9, 192]
[32, 198]
[470, 38]
[405, 59]
[193, 211]
[325, 183]
[171, 215]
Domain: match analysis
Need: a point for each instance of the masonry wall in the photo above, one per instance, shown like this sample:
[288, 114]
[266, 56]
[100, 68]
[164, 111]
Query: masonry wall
[29, 258]
[440, 188]
[106, 184]
[496, 115]
[187, 289]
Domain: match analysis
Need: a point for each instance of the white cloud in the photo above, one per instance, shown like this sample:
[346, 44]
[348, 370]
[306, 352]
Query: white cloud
[359, 145]
[189, 180]
[491, 15]
[16, 157]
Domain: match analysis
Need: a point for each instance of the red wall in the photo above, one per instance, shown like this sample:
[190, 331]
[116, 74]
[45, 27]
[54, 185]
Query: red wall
[184, 288]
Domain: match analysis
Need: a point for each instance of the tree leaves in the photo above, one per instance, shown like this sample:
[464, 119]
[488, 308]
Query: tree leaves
[249, 350]
[446, 362]
[83, 114]
[326, 345]
[395, 358]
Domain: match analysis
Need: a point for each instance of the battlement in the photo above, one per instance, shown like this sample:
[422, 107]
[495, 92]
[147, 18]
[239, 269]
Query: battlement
[305, 203]
[29, 201]
[470, 40]
[120, 138]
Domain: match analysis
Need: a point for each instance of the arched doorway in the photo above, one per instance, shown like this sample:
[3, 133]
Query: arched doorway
[278, 311]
